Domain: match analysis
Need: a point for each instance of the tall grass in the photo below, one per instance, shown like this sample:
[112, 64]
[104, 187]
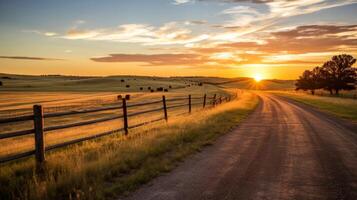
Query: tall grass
[342, 107]
[114, 165]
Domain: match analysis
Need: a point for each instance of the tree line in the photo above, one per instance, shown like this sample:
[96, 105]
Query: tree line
[334, 75]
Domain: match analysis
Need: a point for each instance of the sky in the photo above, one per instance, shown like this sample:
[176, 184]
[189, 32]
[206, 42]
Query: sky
[274, 39]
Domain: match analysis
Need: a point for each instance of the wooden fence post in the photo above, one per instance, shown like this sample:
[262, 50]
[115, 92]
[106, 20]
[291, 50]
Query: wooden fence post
[165, 108]
[125, 117]
[39, 137]
[214, 100]
[204, 100]
[189, 103]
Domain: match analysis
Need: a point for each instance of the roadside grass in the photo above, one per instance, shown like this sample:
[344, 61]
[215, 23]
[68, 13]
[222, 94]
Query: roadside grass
[115, 165]
[342, 107]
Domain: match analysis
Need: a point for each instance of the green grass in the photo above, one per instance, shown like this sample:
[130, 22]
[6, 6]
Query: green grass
[342, 107]
[115, 165]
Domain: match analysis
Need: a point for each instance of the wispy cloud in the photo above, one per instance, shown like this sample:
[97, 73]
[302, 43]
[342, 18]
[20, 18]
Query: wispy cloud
[190, 60]
[247, 35]
[178, 2]
[251, 18]
[45, 33]
[169, 33]
[309, 44]
[28, 58]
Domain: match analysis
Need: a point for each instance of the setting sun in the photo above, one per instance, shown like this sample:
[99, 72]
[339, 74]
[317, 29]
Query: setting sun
[257, 77]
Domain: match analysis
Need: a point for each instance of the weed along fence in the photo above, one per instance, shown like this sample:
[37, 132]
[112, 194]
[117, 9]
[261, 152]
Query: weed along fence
[38, 117]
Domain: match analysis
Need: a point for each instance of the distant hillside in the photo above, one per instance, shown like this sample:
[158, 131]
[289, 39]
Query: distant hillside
[12, 82]
[249, 83]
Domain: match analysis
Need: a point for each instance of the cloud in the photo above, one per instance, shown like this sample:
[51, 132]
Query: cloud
[195, 22]
[152, 59]
[304, 39]
[252, 18]
[178, 2]
[309, 44]
[45, 33]
[192, 59]
[302, 45]
[242, 1]
[167, 34]
[28, 58]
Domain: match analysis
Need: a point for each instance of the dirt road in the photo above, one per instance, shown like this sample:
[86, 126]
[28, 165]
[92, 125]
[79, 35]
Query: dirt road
[284, 150]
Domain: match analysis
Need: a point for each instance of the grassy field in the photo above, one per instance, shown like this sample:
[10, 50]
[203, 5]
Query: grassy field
[119, 83]
[342, 107]
[92, 84]
[113, 165]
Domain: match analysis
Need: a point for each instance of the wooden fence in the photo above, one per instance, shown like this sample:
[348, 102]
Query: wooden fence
[39, 116]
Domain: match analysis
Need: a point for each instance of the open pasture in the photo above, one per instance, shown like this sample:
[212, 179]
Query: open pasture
[19, 103]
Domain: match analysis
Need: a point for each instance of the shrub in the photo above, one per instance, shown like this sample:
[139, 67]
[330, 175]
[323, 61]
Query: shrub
[160, 89]
[122, 80]
[128, 86]
[1, 84]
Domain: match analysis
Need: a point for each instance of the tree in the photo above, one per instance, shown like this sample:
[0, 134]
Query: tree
[338, 74]
[310, 80]
[1, 83]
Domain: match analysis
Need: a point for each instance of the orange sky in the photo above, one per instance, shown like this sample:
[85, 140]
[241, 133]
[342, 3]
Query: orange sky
[239, 38]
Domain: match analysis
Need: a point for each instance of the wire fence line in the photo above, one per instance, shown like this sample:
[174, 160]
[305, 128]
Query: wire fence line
[38, 117]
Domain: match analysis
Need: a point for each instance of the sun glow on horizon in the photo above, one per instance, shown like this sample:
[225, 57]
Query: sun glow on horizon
[257, 77]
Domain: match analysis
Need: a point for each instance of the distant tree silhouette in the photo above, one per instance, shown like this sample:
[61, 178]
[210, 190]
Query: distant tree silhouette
[309, 80]
[338, 74]
[335, 75]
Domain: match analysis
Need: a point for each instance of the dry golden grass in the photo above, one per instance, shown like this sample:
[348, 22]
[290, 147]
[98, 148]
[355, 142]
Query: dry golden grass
[115, 164]
[22, 101]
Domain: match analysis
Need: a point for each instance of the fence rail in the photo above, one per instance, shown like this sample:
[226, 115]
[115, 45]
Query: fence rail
[39, 129]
